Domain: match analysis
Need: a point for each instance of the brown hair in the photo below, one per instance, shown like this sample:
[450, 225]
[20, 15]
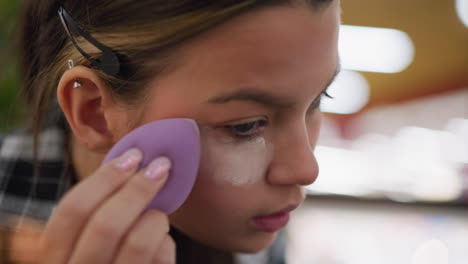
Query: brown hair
[146, 34]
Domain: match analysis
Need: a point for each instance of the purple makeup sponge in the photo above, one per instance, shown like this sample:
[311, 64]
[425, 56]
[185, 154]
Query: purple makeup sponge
[177, 139]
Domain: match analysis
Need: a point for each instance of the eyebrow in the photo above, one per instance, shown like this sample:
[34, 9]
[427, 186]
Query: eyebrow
[262, 97]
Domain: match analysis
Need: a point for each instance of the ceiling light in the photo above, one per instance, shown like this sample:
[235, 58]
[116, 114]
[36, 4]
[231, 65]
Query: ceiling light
[375, 49]
[462, 11]
[350, 92]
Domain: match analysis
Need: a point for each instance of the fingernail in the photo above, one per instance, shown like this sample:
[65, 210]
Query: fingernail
[157, 168]
[129, 160]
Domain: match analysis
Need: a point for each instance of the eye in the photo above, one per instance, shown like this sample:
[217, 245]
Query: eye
[316, 103]
[246, 130]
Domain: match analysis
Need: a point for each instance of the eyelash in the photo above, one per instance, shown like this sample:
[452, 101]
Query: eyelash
[325, 93]
[316, 103]
[254, 129]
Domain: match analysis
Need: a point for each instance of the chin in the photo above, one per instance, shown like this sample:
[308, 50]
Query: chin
[253, 244]
[249, 242]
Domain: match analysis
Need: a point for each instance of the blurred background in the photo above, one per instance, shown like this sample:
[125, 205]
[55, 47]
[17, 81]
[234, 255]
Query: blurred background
[10, 111]
[393, 152]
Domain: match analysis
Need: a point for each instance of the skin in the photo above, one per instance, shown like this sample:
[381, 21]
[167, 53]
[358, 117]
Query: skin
[293, 58]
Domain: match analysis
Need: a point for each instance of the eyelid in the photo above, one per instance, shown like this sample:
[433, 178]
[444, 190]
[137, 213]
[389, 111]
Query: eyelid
[260, 125]
[244, 121]
[316, 103]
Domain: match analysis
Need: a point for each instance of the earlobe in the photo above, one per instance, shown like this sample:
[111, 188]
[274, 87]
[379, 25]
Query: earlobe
[85, 101]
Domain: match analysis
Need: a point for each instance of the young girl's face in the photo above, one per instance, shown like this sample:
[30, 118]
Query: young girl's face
[253, 85]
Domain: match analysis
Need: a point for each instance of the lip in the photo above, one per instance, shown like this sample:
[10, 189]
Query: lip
[275, 221]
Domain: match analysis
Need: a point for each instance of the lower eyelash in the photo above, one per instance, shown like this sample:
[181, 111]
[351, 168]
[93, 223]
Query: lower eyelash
[245, 137]
[238, 137]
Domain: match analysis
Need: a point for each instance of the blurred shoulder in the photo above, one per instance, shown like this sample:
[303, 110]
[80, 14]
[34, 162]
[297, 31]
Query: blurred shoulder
[32, 183]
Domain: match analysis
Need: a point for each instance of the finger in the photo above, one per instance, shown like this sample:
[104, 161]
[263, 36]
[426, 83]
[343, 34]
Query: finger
[115, 217]
[166, 254]
[144, 239]
[79, 204]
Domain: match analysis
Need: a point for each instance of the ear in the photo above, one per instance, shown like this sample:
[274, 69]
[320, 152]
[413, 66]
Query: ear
[87, 108]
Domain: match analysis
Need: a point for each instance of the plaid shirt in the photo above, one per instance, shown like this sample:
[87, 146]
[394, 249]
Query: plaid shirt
[22, 193]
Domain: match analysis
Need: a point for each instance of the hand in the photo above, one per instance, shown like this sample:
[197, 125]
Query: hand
[19, 239]
[101, 221]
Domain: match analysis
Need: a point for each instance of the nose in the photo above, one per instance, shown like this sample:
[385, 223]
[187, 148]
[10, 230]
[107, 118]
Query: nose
[294, 162]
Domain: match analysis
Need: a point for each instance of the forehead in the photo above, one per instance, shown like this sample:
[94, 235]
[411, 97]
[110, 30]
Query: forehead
[266, 42]
[285, 50]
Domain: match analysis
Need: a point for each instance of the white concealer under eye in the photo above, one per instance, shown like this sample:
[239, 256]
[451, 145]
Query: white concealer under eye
[234, 162]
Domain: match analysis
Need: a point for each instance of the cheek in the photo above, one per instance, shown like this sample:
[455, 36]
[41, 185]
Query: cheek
[235, 164]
